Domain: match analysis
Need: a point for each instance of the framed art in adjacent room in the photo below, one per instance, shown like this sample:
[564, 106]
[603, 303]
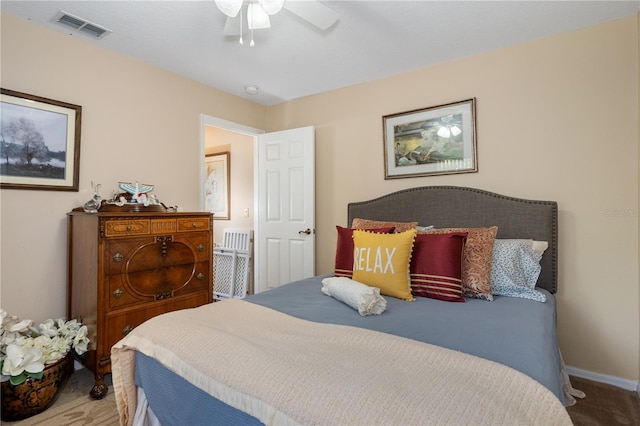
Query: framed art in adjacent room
[217, 187]
[431, 141]
[39, 143]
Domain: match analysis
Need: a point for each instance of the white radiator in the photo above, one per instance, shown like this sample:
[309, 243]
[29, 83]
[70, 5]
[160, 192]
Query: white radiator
[232, 264]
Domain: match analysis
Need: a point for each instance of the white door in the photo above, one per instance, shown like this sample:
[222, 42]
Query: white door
[285, 203]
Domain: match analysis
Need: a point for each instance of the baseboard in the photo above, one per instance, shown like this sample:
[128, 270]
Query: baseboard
[604, 378]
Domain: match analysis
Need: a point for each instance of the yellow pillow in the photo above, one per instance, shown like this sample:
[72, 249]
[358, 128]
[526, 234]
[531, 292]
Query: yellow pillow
[382, 260]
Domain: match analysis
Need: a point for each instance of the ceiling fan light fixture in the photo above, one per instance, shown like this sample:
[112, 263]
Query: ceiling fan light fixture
[257, 18]
[257, 14]
[271, 7]
[229, 7]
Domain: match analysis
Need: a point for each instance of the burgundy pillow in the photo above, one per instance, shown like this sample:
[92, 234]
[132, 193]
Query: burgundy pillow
[476, 260]
[344, 250]
[436, 266]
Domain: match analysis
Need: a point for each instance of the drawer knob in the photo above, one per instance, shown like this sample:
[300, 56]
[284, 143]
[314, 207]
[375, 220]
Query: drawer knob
[117, 293]
[129, 228]
[127, 329]
[200, 276]
[118, 257]
[194, 224]
[200, 247]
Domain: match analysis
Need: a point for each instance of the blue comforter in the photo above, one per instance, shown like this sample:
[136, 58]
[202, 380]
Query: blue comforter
[515, 332]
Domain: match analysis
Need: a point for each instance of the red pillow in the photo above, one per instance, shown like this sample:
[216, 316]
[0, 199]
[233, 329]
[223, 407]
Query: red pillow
[344, 250]
[436, 266]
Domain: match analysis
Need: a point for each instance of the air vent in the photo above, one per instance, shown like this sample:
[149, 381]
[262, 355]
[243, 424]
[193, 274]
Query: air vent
[81, 25]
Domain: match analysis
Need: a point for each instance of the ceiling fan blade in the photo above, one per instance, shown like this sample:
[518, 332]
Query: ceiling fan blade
[232, 26]
[314, 12]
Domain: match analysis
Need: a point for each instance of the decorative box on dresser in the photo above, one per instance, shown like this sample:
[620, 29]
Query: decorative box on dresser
[125, 268]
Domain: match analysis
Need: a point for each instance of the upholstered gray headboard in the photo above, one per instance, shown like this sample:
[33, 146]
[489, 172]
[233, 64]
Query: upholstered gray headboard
[452, 206]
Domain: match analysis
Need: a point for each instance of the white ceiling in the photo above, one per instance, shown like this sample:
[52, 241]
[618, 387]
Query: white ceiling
[292, 59]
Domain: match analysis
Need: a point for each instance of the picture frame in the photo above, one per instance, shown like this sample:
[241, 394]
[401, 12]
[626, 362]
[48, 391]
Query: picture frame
[431, 141]
[39, 142]
[217, 187]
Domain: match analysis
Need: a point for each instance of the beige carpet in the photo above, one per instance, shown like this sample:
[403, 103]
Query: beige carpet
[73, 406]
[83, 411]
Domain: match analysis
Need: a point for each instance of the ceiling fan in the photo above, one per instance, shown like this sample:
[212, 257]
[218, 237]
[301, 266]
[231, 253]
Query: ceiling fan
[258, 12]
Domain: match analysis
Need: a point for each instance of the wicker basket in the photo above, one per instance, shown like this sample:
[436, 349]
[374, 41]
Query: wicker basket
[34, 395]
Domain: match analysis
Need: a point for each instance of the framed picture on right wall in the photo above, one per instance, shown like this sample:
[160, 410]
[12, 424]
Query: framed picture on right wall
[436, 140]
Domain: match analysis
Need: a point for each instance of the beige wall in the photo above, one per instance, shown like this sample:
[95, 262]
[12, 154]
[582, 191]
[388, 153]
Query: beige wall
[139, 123]
[557, 119]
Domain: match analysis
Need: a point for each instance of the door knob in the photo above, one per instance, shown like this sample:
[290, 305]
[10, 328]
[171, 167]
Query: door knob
[306, 231]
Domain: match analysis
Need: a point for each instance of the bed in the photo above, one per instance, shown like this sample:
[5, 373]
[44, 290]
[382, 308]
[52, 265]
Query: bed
[293, 355]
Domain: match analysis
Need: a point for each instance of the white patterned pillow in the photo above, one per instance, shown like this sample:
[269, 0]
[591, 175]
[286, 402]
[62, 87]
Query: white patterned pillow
[515, 269]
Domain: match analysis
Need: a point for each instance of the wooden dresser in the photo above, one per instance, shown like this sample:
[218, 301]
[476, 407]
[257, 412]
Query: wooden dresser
[125, 268]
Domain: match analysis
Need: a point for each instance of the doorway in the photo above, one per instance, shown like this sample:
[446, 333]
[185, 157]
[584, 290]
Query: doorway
[283, 196]
[218, 136]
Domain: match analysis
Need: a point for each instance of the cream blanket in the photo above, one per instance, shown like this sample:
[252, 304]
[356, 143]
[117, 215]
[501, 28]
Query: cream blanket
[284, 370]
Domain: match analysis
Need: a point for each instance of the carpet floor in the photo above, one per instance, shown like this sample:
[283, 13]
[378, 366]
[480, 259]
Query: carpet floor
[604, 405]
[74, 407]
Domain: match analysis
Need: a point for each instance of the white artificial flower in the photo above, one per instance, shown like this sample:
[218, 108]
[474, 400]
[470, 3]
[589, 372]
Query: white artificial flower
[48, 328]
[71, 327]
[8, 337]
[13, 325]
[58, 348]
[41, 341]
[26, 348]
[22, 358]
[22, 340]
[81, 341]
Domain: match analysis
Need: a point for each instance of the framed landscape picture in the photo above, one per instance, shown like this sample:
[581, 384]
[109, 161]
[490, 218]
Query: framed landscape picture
[39, 142]
[430, 141]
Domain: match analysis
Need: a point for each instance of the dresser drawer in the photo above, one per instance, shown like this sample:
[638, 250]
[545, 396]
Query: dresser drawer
[144, 253]
[119, 325]
[199, 282]
[163, 226]
[119, 252]
[199, 243]
[157, 285]
[122, 228]
[120, 296]
[193, 224]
